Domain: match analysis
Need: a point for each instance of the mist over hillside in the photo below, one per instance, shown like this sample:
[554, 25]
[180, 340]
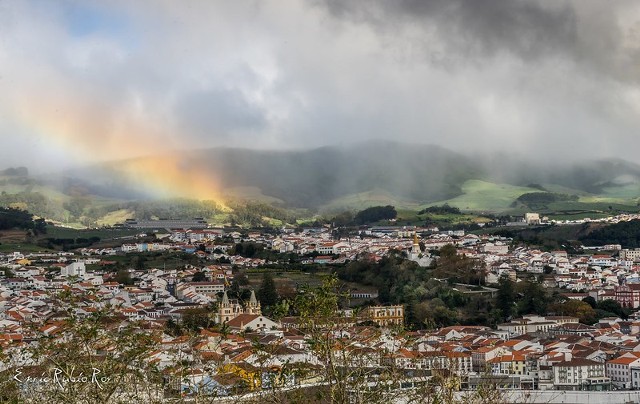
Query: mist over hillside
[587, 175]
[413, 172]
[323, 180]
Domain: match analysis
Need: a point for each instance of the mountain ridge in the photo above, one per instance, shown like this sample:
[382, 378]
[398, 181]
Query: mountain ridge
[334, 178]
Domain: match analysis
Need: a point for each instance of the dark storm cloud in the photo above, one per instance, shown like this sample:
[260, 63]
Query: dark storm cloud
[477, 28]
[585, 31]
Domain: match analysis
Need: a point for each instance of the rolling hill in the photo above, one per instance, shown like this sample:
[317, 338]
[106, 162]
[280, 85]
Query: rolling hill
[328, 179]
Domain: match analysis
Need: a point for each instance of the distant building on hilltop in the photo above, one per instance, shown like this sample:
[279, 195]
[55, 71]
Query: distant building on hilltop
[532, 218]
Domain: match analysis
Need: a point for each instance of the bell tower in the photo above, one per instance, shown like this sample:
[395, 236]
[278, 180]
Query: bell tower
[225, 311]
[254, 306]
[415, 249]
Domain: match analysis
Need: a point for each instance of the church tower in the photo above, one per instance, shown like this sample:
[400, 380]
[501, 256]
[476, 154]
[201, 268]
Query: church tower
[415, 249]
[254, 306]
[225, 311]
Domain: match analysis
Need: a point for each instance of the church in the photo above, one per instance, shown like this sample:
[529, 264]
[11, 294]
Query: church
[228, 309]
[417, 256]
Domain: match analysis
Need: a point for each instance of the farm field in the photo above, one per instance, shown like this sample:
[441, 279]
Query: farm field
[482, 196]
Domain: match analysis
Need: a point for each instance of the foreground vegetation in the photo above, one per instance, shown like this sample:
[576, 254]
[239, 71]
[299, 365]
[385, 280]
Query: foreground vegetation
[104, 358]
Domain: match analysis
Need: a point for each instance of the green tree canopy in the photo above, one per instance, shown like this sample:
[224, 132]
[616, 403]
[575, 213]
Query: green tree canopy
[506, 296]
[268, 294]
[375, 214]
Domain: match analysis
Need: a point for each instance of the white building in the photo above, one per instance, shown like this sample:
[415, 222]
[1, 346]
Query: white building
[620, 369]
[74, 269]
[532, 218]
[578, 374]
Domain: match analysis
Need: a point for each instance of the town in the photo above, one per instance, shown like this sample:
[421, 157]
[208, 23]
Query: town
[215, 332]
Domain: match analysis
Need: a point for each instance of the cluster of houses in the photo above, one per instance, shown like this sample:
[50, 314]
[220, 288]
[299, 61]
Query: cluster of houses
[613, 275]
[533, 352]
[624, 217]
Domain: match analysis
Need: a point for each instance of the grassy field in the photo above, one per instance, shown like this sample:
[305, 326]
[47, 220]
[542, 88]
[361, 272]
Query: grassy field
[118, 216]
[408, 217]
[249, 194]
[549, 235]
[627, 193]
[22, 247]
[47, 191]
[593, 207]
[559, 189]
[16, 240]
[482, 196]
[104, 234]
[363, 200]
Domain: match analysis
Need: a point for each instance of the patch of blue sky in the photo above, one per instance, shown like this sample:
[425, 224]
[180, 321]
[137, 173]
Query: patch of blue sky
[88, 18]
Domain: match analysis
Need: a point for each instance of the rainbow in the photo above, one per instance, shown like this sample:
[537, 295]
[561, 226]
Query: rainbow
[65, 123]
[170, 176]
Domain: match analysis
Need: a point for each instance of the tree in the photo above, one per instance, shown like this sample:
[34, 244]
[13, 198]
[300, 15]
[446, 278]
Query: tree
[123, 277]
[441, 210]
[411, 318]
[172, 328]
[107, 358]
[199, 277]
[576, 308]
[458, 268]
[196, 319]
[614, 307]
[438, 314]
[505, 297]
[590, 301]
[238, 249]
[375, 214]
[268, 294]
[534, 299]
[140, 262]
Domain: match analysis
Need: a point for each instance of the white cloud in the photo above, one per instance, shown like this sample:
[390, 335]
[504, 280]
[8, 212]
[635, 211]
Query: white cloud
[114, 79]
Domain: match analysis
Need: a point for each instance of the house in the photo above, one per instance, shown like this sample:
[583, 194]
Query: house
[580, 374]
[619, 369]
[326, 248]
[481, 356]
[514, 328]
[251, 321]
[510, 364]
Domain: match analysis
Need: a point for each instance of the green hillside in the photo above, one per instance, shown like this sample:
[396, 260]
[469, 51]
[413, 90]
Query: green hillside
[363, 200]
[482, 196]
[298, 184]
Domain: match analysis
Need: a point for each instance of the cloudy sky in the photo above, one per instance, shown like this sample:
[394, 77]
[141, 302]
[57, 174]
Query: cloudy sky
[87, 80]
